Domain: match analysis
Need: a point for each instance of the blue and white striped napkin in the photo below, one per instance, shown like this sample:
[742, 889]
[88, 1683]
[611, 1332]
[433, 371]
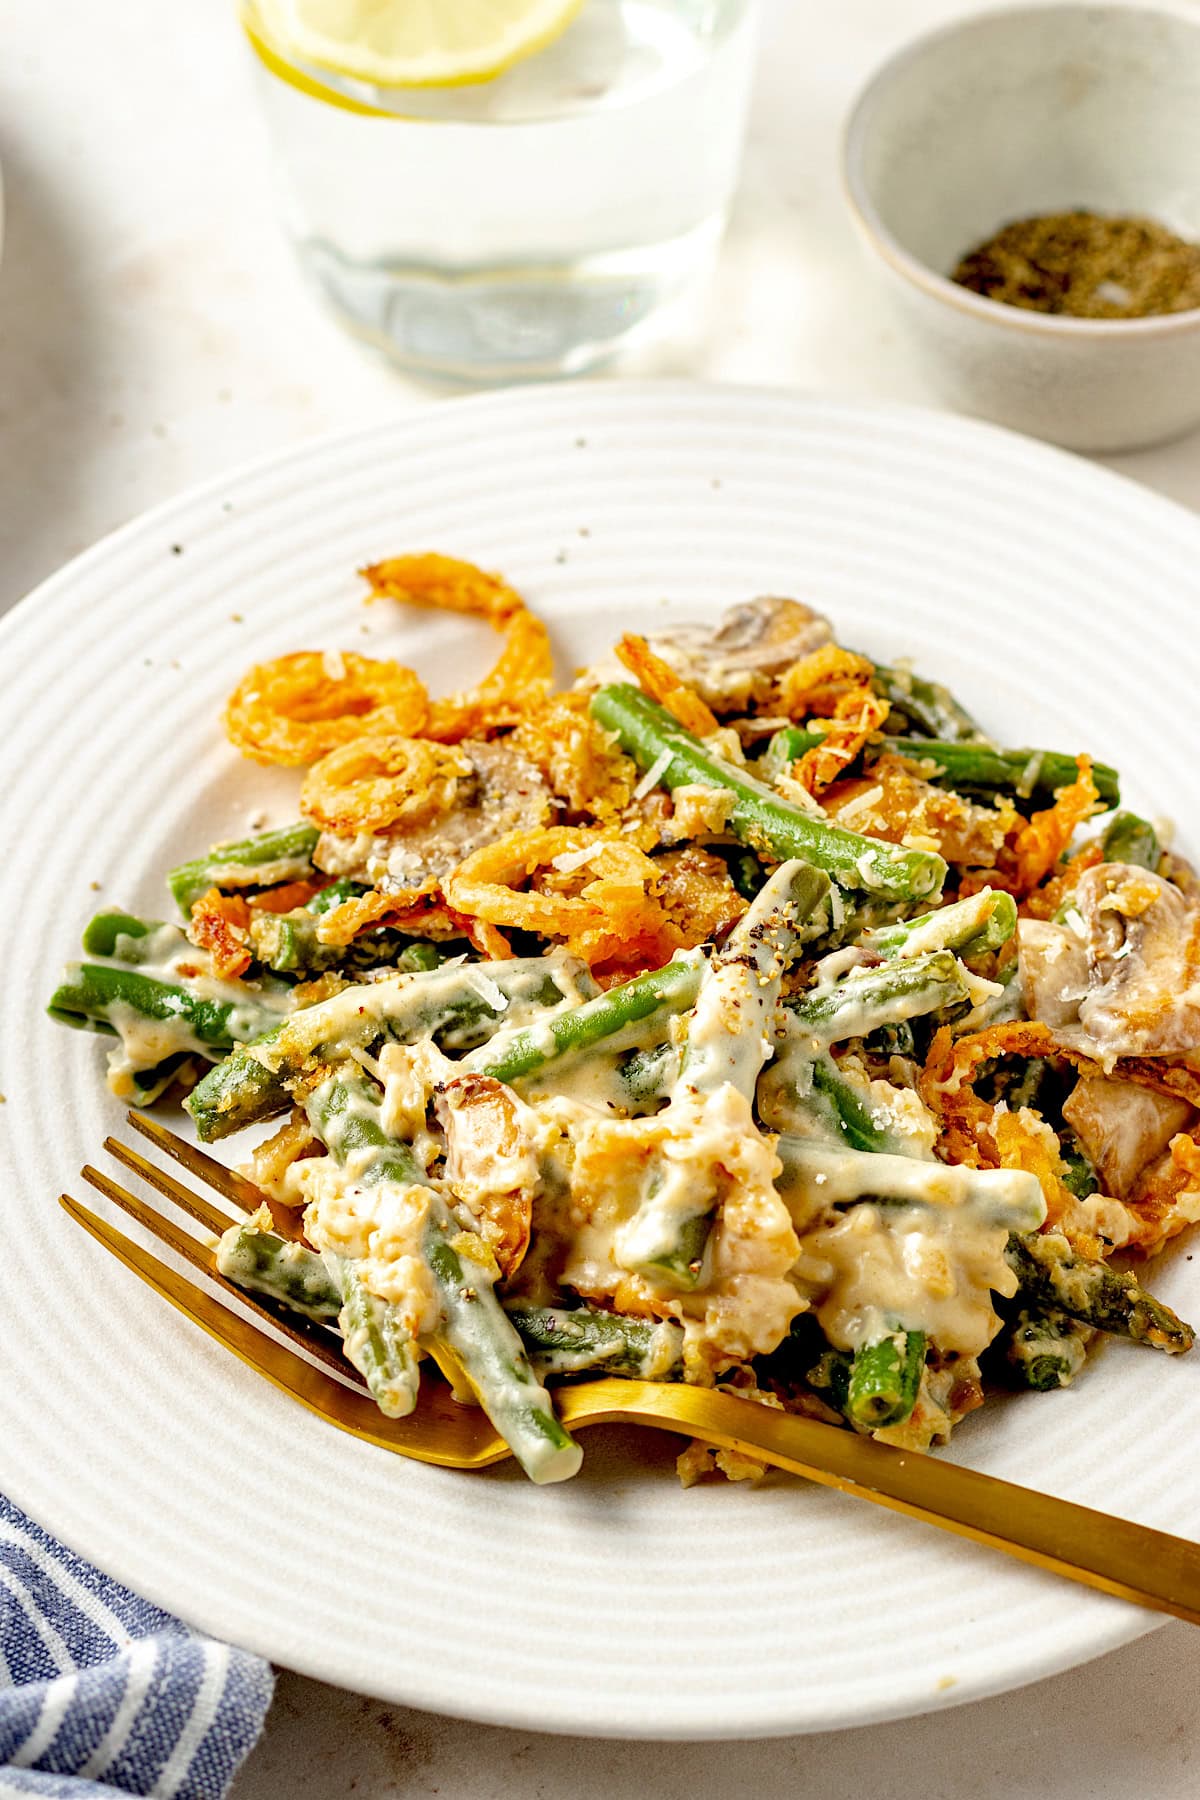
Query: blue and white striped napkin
[102, 1695]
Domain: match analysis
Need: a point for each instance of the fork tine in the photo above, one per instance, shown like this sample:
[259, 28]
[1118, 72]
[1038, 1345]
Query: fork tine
[200, 1257]
[164, 1229]
[200, 1209]
[440, 1431]
[197, 1162]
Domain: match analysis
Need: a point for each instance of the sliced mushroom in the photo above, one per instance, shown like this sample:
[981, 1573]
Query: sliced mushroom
[733, 665]
[1142, 938]
[506, 794]
[1054, 971]
[1123, 1127]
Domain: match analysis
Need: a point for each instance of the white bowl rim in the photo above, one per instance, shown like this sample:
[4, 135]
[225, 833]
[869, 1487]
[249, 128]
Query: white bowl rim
[941, 287]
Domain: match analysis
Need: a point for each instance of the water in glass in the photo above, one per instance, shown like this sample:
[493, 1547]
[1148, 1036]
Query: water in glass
[527, 224]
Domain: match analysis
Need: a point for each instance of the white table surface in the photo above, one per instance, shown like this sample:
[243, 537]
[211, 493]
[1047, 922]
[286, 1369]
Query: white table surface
[153, 332]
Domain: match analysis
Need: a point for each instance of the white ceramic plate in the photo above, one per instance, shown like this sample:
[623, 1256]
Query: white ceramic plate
[1057, 599]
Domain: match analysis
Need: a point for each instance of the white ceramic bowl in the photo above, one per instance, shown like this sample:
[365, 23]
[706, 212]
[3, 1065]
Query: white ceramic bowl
[1004, 115]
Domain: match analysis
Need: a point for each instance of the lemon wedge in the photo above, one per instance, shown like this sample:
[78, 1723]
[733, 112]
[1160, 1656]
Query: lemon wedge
[414, 43]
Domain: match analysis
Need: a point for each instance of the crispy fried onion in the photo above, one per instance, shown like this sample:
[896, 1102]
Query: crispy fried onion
[1045, 901]
[270, 1162]
[816, 683]
[951, 1069]
[893, 802]
[524, 672]
[857, 714]
[1034, 850]
[1026, 1142]
[287, 897]
[443, 582]
[419, 912]
[220, 924]
[520, 680]
[298, 707]
[1039, 844]
[603, 908]
[1166, 1197]
[377, 783]
[579, 759]
[491, 1165]
[658, 679]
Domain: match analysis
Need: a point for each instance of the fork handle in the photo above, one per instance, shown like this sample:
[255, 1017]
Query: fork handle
[1131, 1561]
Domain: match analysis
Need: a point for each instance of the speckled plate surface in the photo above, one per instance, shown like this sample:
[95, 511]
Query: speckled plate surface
[1056, 598]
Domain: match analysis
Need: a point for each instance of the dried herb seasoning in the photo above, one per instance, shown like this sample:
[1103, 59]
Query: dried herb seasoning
[1087, 265]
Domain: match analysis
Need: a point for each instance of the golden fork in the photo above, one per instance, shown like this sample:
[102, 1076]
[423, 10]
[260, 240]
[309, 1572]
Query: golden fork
[1118, 1557]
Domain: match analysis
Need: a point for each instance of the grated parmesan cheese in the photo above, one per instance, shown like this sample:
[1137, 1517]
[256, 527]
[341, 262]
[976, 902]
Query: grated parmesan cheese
[653, 775]
[487, 989]
[570, 860]
[860, 804]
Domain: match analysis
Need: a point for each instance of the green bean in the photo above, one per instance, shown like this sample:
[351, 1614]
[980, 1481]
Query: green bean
[1128, 839]
[816, 1177]
[345, 1112]
[847, 1111]
[805, 1094]
[647, 1075]
[831, 1375]
[982, 922]
[727, 1041]
[1079, 1171]
[928, 705]
[513, 1055]
[255, 1257]
[1019, 772]
[120, 1001]
[976, 767]
[1045, 1350]
[326, 898]
[568, 1343]
[760, 818]
[1029, 1087]
[462, 1002]
[1054, 1275]
[290, 943]
[148, 1085]
[131, 940]
[263, 861]
[885, 1379]
[868, 998]
[735, 1006]
[377, 1342]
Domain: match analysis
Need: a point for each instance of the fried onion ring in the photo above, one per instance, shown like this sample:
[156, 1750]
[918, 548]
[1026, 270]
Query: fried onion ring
[445, 583]
[658, 679]
[525, 671]
[378, 782]
[287, 897]
[520, 681]
[299, 707]
[816, 683]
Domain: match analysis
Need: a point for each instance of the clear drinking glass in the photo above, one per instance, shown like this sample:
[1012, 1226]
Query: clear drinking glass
[528, 224]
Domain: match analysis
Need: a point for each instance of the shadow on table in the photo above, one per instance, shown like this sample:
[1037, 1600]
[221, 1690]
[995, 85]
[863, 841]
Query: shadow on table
[51, 417]
[1097, 1731]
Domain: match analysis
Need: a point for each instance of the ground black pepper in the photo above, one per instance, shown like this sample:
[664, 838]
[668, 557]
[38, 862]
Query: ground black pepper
[1087, 265]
